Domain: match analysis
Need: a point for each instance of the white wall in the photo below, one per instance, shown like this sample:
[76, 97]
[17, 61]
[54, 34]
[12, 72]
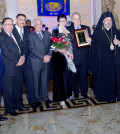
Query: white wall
[11, 9]
[95, 12]
[98, 10]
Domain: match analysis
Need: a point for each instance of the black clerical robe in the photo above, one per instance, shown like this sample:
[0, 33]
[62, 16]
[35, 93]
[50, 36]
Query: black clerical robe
[105, 65]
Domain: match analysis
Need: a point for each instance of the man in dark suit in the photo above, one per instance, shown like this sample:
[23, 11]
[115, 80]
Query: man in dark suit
[80, 60]
[13, 58]
[40, 55]
[21, 32]
[1, 74]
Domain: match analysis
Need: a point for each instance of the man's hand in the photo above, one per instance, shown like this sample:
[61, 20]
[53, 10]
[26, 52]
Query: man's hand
[46, 58]
[21, 61]
[116, 41]
[89, 40]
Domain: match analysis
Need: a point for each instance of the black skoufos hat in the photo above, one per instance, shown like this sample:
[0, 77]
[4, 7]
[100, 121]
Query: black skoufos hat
[103, 16]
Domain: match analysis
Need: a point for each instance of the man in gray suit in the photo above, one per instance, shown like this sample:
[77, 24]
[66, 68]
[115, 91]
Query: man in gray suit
[40, 55]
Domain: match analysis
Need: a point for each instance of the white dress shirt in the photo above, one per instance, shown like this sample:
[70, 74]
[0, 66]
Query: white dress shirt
[77, 27]
[39, 33]
[60, 30]
[19, 31]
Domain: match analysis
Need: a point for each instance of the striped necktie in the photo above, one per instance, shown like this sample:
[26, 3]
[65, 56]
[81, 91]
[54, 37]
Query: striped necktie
[21, 34]
[15, 43]
[40, 36]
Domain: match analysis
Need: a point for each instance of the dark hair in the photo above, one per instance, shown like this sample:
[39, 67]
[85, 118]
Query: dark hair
[61, 16]
[46, 28]
[20, 15]
[28, 20]
[7, 18]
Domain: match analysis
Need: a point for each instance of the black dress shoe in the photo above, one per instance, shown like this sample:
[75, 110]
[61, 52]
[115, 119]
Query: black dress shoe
[3, 118]
[5, 113]
[38, 104]
[76, 95]
[48, 101]
[34, 107]
[14, 113]
[23, 108]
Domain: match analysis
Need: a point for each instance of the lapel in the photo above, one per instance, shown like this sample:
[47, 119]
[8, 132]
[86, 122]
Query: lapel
[25, 33]
[11, 41]
[36, 36]
[44, 38]
[44, 41]
[16, 35]
[72, 29]
[82, 26]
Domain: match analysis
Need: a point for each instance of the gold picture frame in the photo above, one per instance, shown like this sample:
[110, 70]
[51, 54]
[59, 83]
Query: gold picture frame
[81, 36]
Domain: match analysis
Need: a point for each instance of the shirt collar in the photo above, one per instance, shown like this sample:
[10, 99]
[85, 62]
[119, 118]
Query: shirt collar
[39, 33]
[76, 27]
[8, 33]
[18, 28]
[60, 30]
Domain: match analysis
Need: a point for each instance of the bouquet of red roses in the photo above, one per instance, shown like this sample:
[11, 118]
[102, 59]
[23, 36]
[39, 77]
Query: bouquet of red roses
[59, 43]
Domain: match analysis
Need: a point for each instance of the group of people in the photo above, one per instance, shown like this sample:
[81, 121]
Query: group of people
[25, 56]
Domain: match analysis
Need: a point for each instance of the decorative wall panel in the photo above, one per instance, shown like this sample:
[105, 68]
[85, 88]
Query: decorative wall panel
[29, 8]
[2, 11]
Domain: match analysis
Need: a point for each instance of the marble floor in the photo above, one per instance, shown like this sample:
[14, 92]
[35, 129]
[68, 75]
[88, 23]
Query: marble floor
[92, 119]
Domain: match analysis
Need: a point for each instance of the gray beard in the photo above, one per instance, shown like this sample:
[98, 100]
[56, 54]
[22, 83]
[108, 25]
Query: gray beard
[106, 27]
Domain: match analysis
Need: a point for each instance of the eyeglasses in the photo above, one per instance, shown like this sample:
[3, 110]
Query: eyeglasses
[62, 21]
[38, 24]
[8, 24]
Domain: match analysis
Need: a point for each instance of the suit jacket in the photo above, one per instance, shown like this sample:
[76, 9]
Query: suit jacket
[80, 55]
[38, 49]
[1, 66]
[24, 44]
[10, 54]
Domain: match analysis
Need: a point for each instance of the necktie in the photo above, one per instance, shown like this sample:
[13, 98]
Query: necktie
[12, 37]
[21, 34]
[15, 43]
[77, 27]
[40, 36]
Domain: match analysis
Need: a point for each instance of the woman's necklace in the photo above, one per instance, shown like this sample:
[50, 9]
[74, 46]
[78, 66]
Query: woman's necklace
[111, 44]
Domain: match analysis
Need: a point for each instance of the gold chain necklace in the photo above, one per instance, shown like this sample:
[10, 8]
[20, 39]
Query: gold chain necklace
[111, 44]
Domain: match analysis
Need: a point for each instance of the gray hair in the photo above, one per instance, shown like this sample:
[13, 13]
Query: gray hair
[75, 14]
[33, 22]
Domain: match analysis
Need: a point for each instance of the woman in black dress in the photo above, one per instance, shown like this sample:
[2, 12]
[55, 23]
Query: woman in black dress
[61, 82]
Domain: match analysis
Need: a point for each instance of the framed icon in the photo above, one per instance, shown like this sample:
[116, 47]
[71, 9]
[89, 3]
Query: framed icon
[81, 36]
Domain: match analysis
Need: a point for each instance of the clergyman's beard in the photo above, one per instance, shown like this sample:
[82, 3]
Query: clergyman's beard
[107, 27]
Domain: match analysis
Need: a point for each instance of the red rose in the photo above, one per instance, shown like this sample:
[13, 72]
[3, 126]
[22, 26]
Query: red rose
[53, 39]
[68, 55]
[57, 40]
[61, 38]
[65, 42]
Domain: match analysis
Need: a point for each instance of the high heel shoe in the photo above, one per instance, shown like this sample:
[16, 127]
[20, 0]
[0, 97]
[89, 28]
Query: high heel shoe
[62, 104]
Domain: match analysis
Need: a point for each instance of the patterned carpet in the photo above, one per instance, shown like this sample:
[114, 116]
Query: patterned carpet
[74, 103]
